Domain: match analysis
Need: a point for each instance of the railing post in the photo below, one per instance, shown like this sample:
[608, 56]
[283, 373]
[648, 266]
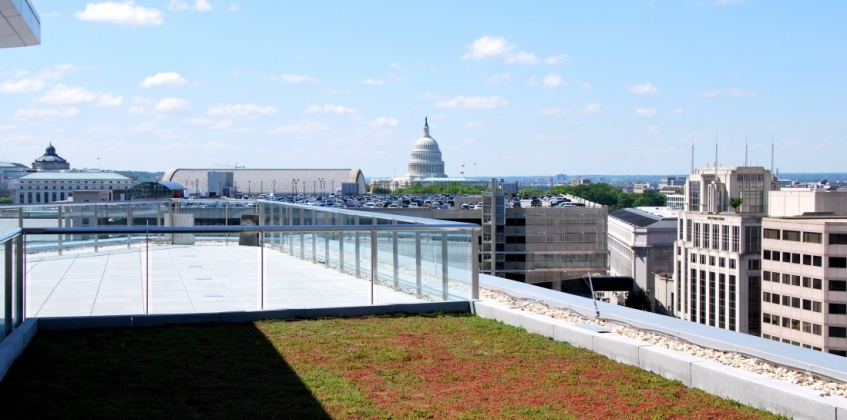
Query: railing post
[341, 251]
[302, 245]
[226, 223]
[7, 285]
[158, 221]
[262, 269]
[326, 249]
[128, 224]
[418, 263]
[59, 224]
[444, 257]
[358, 254]
[374, 273]
[19, 277]
[475, 263]
[396, 261]
[21, 216]
[314, 247]
[96, 236]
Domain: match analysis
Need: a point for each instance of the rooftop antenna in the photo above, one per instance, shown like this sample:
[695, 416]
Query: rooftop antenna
[692, 153]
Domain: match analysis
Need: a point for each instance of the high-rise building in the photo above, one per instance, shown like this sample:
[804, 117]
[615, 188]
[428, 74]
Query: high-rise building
[804, 269]
[717, 261]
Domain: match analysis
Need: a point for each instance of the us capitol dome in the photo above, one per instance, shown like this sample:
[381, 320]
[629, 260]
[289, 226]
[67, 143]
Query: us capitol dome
[426, 158]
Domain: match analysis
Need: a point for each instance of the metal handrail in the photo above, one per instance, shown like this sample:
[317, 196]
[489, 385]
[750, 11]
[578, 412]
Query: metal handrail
[11, 234]
[123, 230]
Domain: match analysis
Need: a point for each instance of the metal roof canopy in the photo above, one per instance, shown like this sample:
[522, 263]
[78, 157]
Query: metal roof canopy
[20, 25]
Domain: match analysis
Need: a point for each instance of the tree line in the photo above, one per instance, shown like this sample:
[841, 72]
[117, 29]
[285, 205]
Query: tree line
[605, 194]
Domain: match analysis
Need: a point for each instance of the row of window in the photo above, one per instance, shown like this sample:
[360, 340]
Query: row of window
[810, 237]
[806, 304]
[795, 324]
[794, 258]
[793, 280]
[794, 343]
[70, 182]
[721, 261]
[62, 187]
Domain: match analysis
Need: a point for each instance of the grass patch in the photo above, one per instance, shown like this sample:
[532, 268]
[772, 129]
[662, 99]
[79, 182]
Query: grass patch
[431, 366]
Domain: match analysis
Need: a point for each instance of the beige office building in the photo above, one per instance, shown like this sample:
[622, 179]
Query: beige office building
[804, 270]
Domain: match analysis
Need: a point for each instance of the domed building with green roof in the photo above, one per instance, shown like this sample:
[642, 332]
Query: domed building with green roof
[50, 161]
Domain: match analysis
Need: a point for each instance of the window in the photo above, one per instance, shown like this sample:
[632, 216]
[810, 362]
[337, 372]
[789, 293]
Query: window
[705, 235]
[775, 255]
[838, 285]
[702, 259]
[766, 255]
[795, 258]
[838, 332]
[775, 319]
[680, 229]
[807, 259]
[817, 284]
[766, 318]
[817, 307]
[791, 235]
[732, 263]
[753, 239]
[795, 325]
[817, 261]
[807, 282]
[837, 262]
[766, 296]
[838, 238]
[842, 353]
[736, 232]
[786, 279]
[753, 264]
[795, 302]
[786, 323]
[688, 230]
[786, 257]
[817, 329]
[722, 262]
[697, 235]
[771, 233]
[775, 298]
[807, 304]
[711, 261]
[795, 280]
[838, 309]
[715, 233]
[766, 275]
[693, 257]
[812, 237]
[775, 277]
[725, 238]
[786, 300]
[807, 328]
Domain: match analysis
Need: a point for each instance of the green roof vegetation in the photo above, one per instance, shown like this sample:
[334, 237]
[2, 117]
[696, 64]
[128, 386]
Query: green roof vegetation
[424, 366]
[108, 176]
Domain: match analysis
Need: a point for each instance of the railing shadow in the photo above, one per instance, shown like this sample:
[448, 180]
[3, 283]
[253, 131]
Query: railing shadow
[173, 371]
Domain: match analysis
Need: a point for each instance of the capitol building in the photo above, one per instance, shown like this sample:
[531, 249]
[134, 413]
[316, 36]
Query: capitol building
[426, 167]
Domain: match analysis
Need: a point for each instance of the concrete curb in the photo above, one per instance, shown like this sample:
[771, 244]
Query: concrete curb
[714, 378]
[12, 346]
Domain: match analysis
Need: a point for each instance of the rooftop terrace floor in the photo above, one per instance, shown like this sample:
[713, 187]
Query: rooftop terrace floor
[455, 366]
[188, 279]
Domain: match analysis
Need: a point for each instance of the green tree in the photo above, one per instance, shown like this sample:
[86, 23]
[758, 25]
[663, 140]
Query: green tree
[734, 202]
[379, 190]
[6, 200]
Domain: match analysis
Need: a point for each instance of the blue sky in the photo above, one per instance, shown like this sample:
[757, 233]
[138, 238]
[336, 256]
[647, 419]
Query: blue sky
[519, 88]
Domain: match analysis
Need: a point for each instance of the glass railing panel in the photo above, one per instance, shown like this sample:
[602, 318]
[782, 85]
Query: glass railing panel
[407, 262]
[8, 218]
[431, 264]
[40, 216]
[3, 319]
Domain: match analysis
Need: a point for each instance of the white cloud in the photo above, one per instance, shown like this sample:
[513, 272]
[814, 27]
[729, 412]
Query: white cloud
[163, 79]
[63, 95]
[500, 78]
[233, 7]
[177, 5]
[7, 127]
[557, 59]
[102, 129]
[553, 80]
[370, 81]
[587, 109]
[726, 2]
[474, 124]
[678, 111]
[489, 47]
[135, 110]
[126, 14]
[202, 5]
[330, 109]
[143, 127]
[20, 86]
[109, 100]
[731, 92]
[295, 78]
[474, 102]
[385, 122]
[300, 129]
[46, 112]
[395, 66]
[586, 85]
[644, 112]
[654, 129]
[643, 89]
[171, 105]
[336, 92]
[241, 110]
[430, 96]
[199, 121]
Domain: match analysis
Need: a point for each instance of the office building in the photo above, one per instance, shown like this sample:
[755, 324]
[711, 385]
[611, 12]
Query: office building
[641, 244]
[20, 25]
[49, 187]
[804, 269]
[717, 264]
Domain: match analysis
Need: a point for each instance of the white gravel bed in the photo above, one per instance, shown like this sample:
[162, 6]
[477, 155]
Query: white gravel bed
[750, 364]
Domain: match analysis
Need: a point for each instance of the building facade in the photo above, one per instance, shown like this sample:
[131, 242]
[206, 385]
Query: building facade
[804, 269]
[641, 244]
[717, 261]
[50, 161]
[49, 187]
